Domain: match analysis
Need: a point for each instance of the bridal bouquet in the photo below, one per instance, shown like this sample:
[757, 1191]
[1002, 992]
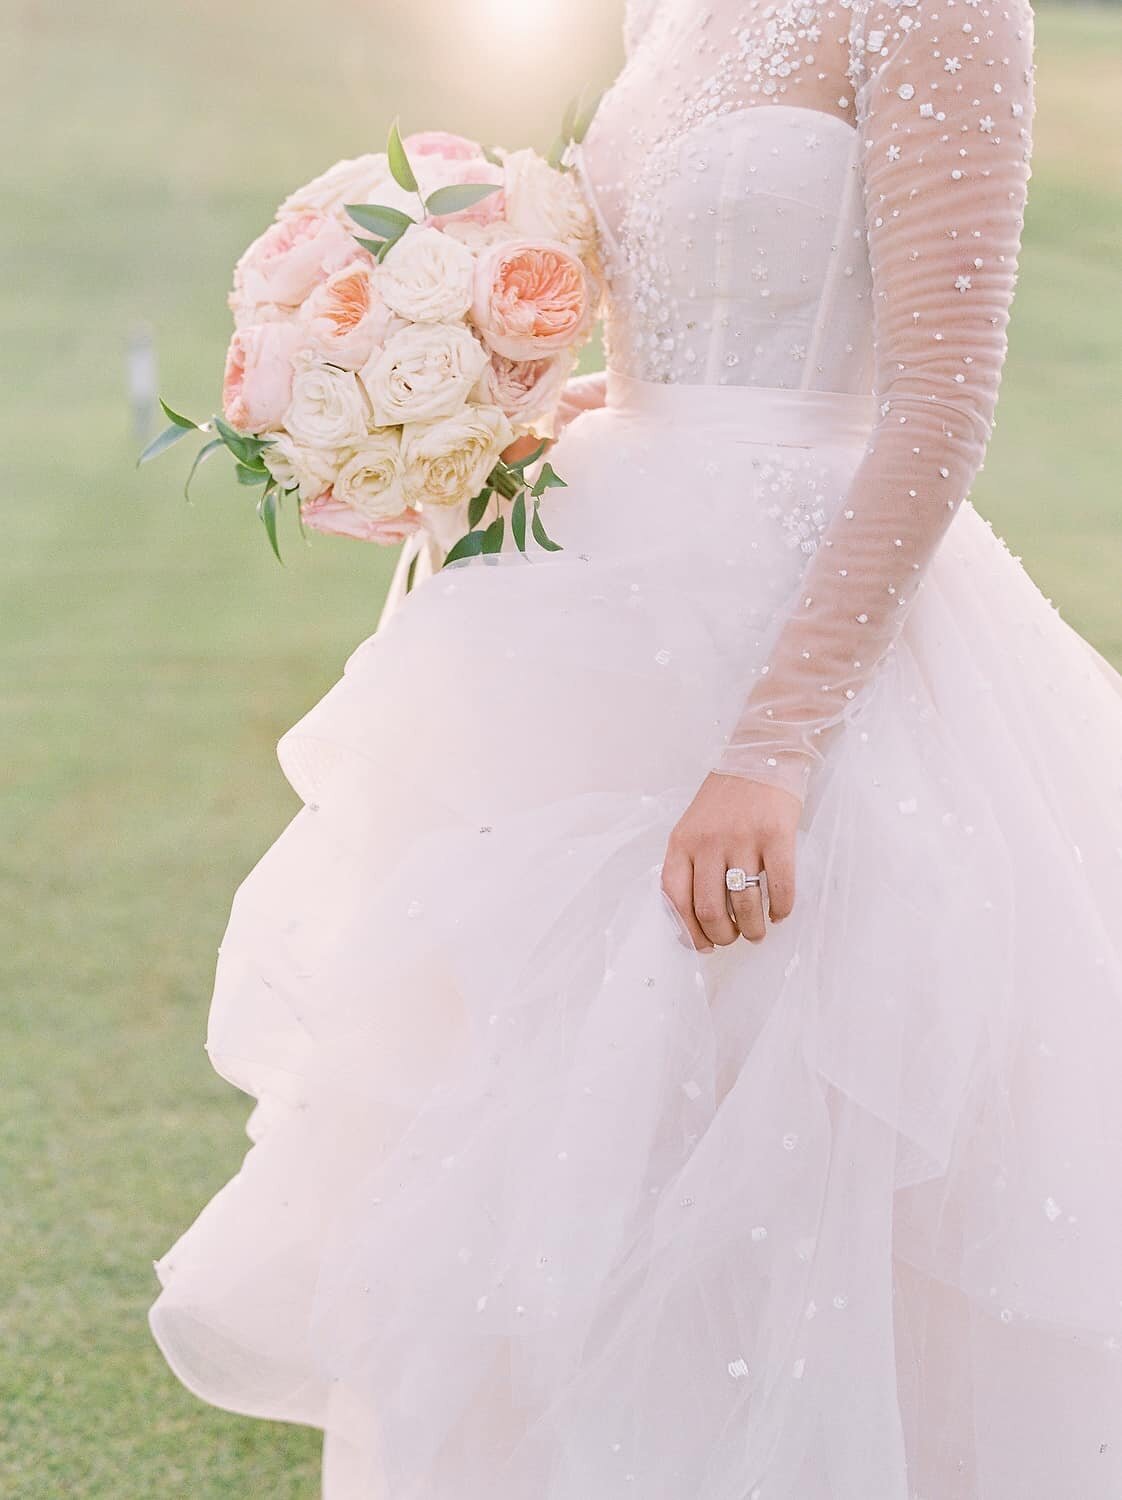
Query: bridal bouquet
[403, 321]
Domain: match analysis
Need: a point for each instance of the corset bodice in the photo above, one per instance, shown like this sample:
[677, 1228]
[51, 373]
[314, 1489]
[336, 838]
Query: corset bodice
[737, 254]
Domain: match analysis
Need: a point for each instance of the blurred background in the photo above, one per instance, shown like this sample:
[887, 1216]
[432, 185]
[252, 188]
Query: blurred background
[153, 652]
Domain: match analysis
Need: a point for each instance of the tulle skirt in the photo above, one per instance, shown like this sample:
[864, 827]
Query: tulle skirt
[542, 1204]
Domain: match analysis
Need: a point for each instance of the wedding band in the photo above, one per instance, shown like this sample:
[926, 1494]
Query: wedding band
[737, 879]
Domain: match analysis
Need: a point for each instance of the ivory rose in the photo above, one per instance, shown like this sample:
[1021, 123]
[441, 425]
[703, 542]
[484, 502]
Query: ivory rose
[447, 462]
[363, 179]
[427, 277]
[282, 265]
[425, 371]
[531, 298]
[310, 470]
[371, 479]
[478, 237]
[345, 317]
[334, 518]
[328, 409]
[542, 203]
[257, 384]
[528, 390]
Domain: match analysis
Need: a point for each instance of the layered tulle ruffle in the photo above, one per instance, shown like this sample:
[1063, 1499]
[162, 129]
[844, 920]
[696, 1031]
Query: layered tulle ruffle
[544, 1204]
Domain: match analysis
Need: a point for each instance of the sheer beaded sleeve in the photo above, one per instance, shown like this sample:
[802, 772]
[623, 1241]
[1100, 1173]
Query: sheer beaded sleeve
[944, 101]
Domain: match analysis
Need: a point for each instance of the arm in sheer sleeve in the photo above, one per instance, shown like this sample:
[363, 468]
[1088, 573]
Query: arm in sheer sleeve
[581, 393]
[944, 103]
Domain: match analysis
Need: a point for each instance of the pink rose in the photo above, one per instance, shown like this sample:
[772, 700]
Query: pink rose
[441, 143]
[283, 265]
[257, 384]
[451, 173]
[531, 298]
[528, 390]
[333, 518]
[346, 318]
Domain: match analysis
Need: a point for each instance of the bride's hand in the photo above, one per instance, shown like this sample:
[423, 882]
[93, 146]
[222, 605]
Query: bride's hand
[732, 823]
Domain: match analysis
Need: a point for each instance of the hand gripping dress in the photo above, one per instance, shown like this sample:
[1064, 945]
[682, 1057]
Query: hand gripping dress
[542, 1204]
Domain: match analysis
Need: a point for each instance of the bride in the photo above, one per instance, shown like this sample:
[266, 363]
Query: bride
[558, 1190]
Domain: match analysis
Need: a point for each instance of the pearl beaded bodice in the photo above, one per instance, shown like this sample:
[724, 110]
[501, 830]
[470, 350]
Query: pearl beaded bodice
[740, 257]
[824, 195]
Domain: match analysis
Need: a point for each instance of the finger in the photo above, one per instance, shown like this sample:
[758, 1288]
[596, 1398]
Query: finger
[779, 862]
[748, 908]
[677, 885]
[710, 900]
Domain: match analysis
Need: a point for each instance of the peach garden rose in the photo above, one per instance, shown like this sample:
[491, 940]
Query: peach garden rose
[531, 298]
[346, 318]
[284, 264]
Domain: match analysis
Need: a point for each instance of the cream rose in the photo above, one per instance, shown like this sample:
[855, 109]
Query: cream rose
[427, 277]
[311, 470]
[447, 462]
[371, 480]
[363, 179]
[532, 298]
[528, 390]
[345, 319]
[542, 203]
[479, 237]
[425, 371]
[328, 409]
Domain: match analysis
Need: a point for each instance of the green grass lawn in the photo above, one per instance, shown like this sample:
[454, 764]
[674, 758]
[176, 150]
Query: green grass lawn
[152, 653]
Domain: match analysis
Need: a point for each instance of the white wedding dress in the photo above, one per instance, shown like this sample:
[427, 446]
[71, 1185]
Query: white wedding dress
[544, 1205]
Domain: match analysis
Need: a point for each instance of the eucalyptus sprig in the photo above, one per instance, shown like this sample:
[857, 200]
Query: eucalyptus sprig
[579, 114]
[387, 225]
[508, 483]
[249, 465]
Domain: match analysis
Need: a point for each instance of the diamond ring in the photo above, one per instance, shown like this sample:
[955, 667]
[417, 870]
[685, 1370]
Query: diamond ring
[737, 879]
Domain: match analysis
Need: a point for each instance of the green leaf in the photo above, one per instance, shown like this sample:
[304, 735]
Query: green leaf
[518, 522]
[376, 247]
[243, 445]
[541, 536]
[201, 457]
[548, 479]
[267, 510]
[460, 195]
[399, 161]
[587, 115]
[468, 546]
[492, 156]
[493, 536]
[522, 464]
[580, 115]
[160, 444]
[177, 420]
[248, 476]
[412, 573]
[386, 223]
[477, 508]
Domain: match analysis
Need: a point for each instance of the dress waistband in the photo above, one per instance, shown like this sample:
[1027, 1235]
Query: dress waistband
[759, 414]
